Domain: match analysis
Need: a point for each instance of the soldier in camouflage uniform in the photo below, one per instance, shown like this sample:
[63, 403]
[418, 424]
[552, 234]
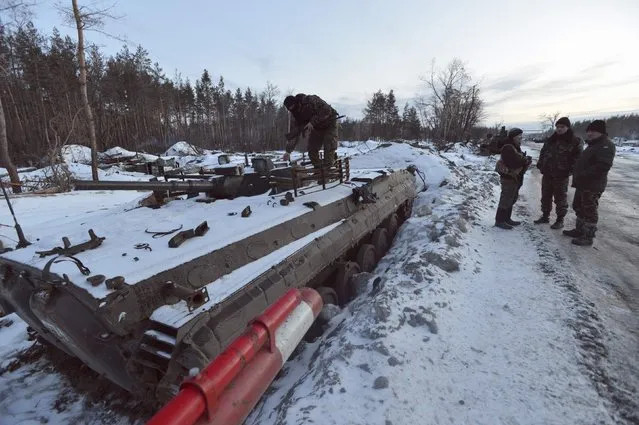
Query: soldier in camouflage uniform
[317, 120]
[590, 178]
[556, 161]
[511, 167]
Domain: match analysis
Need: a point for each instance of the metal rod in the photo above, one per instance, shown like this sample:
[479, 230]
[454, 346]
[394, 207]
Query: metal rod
[22, 241]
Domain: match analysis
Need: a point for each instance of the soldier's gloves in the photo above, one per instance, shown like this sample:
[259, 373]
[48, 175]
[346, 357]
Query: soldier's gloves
[287, 156]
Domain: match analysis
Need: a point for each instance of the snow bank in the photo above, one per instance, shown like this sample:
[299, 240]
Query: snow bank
[121, 153]
[76, 154]
[357, 147]
[401, 155]
[183, 149]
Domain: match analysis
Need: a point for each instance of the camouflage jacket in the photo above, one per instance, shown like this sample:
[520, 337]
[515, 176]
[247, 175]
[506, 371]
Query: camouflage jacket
[513, 162]
[591, 169]
[559, 155]
[311, 109]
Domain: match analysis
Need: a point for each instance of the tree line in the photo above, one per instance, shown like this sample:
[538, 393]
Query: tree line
[624, 126]
[56, 90]
[135, 105]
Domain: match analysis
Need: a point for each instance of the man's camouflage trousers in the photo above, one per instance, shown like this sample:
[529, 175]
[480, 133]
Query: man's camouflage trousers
[328, 140]
[557, 188]
[586, 204]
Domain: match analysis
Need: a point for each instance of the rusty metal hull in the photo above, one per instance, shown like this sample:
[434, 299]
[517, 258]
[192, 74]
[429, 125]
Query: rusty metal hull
[120, 336]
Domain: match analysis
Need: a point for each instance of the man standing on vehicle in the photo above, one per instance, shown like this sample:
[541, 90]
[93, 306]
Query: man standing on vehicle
[556, 162]
[590, 178]
[317, 120]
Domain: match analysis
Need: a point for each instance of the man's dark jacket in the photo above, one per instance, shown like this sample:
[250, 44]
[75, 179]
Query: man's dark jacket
[591, 169]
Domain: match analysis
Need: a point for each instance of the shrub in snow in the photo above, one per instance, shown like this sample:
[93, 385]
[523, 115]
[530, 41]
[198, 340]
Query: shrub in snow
[55, 178]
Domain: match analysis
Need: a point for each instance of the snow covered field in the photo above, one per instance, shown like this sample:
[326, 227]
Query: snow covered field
[459, 323]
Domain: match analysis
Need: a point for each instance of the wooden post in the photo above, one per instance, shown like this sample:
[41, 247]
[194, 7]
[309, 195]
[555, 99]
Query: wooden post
[348, 169]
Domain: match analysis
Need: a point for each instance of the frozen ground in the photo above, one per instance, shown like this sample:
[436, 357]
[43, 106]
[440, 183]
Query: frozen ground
[466, 323]
[460, 322]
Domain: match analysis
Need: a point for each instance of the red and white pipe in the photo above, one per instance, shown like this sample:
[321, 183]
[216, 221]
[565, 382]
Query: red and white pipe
[231, 385]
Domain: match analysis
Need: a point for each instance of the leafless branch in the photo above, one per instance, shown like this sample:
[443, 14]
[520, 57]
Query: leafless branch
[93, 19]
[452, 103]
[548, 121]
[20, 12]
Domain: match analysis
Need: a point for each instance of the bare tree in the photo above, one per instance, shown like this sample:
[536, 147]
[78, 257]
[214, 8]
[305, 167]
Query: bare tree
[5, 159]
[80, 21]
[548, 121]
[451, 105]
[87, 19]
[20, 10]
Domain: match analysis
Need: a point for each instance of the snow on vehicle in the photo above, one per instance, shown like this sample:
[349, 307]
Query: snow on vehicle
[150, 296]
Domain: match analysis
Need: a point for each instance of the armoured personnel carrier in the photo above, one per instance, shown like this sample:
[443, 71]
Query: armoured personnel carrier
[144, 296]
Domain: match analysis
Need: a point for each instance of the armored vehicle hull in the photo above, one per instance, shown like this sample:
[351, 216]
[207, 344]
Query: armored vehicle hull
[145, 307]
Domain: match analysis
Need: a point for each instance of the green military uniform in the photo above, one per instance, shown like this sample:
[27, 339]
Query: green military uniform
[590, 178]
[511, 168]
[556, 162]
[312, 109]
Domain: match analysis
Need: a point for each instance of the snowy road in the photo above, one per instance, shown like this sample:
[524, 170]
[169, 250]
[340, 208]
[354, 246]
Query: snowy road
[606, 275]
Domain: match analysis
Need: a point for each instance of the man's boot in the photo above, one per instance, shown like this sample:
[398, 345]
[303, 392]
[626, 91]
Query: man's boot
[545, 218]
[558, 224]
[500, 219]
[588, 234]
[509, 220]
[577, 231]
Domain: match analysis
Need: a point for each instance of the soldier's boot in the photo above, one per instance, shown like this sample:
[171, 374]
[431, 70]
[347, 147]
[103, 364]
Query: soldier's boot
[500, 219]
[509, 220]
[577, 231]
[588, 235]
[545, 218]
[558, 224]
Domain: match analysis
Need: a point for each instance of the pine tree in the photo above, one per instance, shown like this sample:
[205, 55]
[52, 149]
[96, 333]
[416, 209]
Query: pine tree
[411, 126]
[392, 120]
[375, 114]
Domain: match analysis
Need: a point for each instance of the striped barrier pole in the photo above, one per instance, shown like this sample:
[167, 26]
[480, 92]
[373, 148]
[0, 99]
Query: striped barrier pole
[229, 387]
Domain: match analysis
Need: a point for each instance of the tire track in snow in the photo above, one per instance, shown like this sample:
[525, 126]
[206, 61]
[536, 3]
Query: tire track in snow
[588, 329]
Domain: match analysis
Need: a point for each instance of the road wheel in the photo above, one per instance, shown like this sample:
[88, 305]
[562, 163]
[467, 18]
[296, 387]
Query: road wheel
[366, 257]
[380, 242]
[406, 210]
[392, 225]
[343, 284]
[329, 296]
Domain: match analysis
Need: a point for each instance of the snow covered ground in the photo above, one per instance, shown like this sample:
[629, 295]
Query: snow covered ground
[465, 323]
[459, 323]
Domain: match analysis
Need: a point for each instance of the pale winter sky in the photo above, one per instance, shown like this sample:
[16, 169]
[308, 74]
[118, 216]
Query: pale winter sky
[574, 56]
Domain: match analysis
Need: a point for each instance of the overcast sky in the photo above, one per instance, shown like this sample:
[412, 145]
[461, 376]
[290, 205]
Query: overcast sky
[574, 56]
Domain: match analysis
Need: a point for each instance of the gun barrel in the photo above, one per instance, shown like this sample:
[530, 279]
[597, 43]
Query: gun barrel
[189, 186]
